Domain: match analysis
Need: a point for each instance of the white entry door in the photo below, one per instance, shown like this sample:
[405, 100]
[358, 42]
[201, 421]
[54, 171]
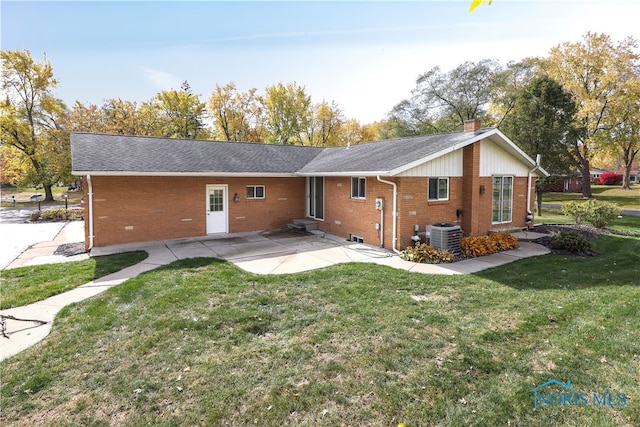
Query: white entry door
[216, 209]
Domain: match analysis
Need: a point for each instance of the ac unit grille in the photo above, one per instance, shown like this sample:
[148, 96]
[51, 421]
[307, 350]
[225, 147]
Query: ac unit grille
[446, 236]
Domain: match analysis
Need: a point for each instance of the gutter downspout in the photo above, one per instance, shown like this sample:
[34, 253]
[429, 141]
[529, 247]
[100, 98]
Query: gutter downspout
[395, 213]
[529, 211]
[90, 185]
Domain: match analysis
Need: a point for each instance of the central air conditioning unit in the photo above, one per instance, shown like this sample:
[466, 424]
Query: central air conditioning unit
[446, 236]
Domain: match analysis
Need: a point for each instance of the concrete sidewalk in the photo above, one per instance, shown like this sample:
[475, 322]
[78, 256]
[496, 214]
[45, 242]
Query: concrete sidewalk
[271, 252]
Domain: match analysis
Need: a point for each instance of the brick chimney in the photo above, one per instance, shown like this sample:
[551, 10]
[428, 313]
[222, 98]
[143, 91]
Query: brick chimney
[472, 125]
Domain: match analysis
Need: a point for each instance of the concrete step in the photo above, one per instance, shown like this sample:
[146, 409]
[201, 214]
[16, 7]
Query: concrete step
[296, 227]
[308, 224]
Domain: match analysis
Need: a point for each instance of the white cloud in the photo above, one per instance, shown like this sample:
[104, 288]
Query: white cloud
[161, 79]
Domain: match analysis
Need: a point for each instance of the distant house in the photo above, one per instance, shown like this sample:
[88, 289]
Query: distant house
[569, 183]
[634, 175]
[595, 173]
[144, 188]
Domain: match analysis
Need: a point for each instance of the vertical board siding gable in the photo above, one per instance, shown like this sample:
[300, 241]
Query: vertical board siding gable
[448, 165]
[496, 161]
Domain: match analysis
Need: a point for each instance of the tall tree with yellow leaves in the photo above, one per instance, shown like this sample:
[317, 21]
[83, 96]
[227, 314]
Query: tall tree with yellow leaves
[596, 71]
[31, 119]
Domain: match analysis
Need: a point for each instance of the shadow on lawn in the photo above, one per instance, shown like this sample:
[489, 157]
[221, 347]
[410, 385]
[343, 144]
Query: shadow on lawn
[616, 265]
[108, 264]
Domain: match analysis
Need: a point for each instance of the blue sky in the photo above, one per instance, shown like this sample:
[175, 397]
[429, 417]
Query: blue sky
[365, 56]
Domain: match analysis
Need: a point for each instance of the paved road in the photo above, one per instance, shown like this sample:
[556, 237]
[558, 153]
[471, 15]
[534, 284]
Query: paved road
[629, 212]
[16, 234]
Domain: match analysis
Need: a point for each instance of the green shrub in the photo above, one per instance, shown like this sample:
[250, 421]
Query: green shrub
[576, 210]
[594, 212]
[57, 215]
[422, 252]
[602, 214]
[571, 241]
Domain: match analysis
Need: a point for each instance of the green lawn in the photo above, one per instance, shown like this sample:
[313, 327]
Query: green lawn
[200, 342]
[555, 216]
[25, 285]
[629, 199]
[22, 196]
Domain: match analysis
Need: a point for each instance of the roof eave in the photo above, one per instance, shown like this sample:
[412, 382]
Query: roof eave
[186, 174]
[346, 173]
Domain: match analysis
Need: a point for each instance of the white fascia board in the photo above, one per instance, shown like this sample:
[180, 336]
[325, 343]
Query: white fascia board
[189, 174]
[346, 173]
[440, 153]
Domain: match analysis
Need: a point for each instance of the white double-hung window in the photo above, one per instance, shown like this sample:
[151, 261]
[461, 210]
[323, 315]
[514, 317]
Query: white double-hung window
[438, 188]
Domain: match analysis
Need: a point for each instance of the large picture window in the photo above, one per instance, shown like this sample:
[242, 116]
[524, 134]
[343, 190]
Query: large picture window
[502, 199]
[439, 188]
[358, 187]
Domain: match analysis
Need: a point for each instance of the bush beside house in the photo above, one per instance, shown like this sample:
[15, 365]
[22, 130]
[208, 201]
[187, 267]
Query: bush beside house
[610, 178]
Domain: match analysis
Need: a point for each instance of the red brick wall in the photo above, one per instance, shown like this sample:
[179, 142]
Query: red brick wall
[416, 209]
[344, 216]
[472, 208]
[135, 209]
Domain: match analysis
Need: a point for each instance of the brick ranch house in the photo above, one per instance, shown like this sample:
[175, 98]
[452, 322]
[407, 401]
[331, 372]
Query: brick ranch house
[145, 188]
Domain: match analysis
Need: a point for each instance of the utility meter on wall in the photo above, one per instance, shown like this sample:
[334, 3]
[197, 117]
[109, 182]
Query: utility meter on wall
[379, 203]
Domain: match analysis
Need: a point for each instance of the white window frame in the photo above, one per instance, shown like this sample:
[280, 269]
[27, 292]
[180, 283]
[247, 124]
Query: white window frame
[437, 198]
[502, 207]
[357, 180]
[255, 187]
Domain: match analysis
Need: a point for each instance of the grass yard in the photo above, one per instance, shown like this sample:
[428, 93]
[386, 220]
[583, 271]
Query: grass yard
[629, 199]
[25, 285]
[200, 342]
[22, 195]
[555, 216]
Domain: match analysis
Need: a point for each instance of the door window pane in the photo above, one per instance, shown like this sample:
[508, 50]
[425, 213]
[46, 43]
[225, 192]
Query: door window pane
[216, 200]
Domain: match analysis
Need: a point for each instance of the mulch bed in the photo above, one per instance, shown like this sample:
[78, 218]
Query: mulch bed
[70, 249]
[590, 233]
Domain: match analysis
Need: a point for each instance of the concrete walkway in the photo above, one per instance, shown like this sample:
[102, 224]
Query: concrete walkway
[273, 252]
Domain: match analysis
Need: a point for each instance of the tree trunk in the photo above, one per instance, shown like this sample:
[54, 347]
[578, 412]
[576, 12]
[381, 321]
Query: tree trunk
[628, 155]
[48, 194]
[626, 185]
[586, 180]
[539, 193]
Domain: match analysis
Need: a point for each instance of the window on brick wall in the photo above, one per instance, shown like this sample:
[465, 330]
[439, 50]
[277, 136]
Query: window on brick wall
[502, 199]
[358, 187]
[439, 188]
[255, 191]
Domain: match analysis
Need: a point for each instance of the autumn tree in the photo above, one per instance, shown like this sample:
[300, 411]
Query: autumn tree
[441, 102]
[541, 123]
[184, 112]
[287, 110]
[594, 72]
[324, 126]
[30, 119]
[623, 138]
[85, 118]
[509, 84]
[237, 116]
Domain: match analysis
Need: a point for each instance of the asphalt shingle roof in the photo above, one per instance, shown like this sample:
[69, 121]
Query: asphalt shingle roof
[119, 153]
[382, 155]
[100, 153]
